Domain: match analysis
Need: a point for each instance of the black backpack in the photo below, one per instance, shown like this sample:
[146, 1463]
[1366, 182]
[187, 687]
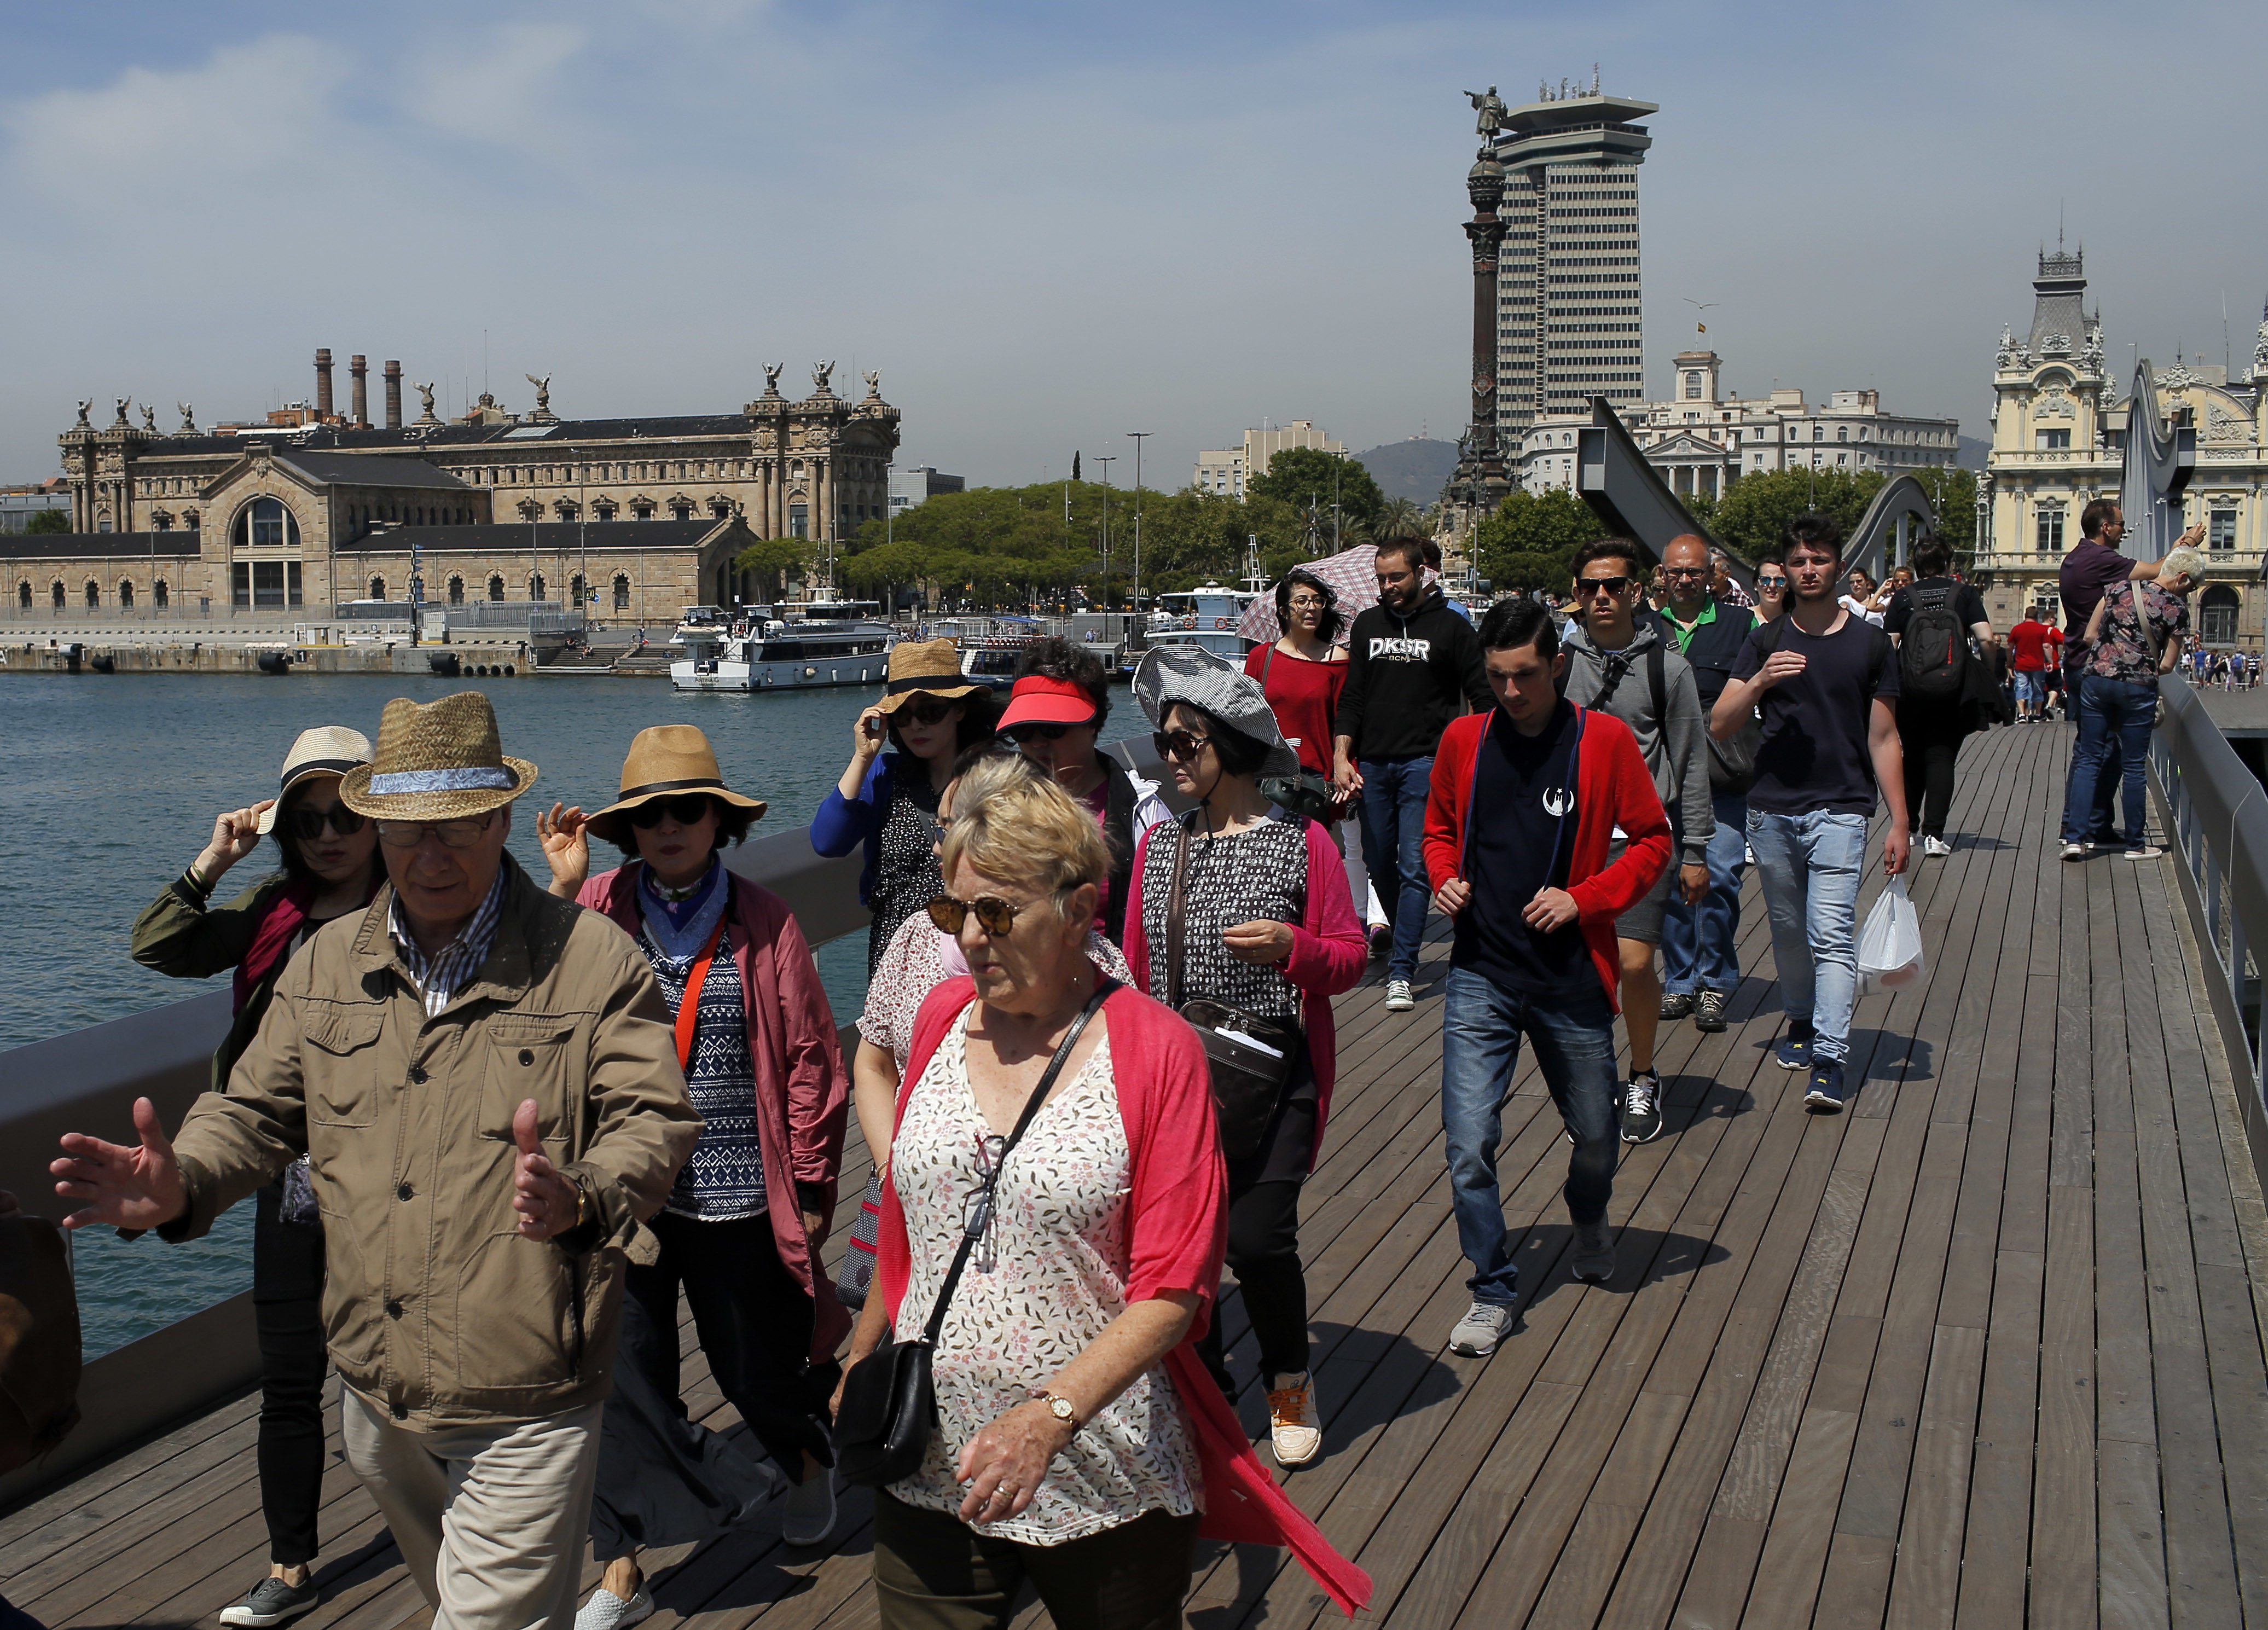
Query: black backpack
[1933, 654]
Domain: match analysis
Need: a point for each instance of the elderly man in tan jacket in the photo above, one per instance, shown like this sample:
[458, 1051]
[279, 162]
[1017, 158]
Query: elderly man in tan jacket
[486, 1082]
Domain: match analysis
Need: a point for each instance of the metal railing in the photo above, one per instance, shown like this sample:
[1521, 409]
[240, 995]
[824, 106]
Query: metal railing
[2216, 816]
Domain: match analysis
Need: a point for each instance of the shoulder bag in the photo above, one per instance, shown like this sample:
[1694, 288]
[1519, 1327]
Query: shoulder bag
[1251, 1058]
[1303, 792]
[889, 1400]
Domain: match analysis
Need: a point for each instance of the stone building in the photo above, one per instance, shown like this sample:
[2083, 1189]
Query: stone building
[2059, 435]
[1227, 471]
[310, 511]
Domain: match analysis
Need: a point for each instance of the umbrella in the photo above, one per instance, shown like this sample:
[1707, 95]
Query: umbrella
[1352, 577]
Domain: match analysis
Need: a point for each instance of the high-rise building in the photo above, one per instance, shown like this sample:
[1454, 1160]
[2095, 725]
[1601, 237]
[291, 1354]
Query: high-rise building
[1226, 471]
[1570, 322]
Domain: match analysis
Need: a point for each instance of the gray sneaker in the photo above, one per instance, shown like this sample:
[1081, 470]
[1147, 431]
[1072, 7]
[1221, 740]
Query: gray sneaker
[1595, 1253]
[1485, 1323]
[606, 1611]
[1709, 1011]
[1398, 999]
[1641, 1108]
[272, 1602]
[1675, 1005]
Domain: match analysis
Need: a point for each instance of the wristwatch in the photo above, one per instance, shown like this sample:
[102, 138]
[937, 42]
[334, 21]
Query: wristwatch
[1062, 1408]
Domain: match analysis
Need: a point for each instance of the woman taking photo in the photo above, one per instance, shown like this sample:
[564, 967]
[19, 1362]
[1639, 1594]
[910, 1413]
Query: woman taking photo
[887, 801]
[1054, 714]
[330, 870]
[1245, 907]
[1076, 1438]
[741, 1228]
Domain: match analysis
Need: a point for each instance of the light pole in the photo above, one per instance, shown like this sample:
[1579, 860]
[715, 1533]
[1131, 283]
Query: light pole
[1105, 459]
[1138, 436]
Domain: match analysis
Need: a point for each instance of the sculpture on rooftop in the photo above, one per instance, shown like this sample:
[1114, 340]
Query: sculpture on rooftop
[189, 419]
[772, 371]
[149, 418]
[542, 384]
[123, 403]
[84, 405]
[873, 384]
[425, 389]
[821, 375]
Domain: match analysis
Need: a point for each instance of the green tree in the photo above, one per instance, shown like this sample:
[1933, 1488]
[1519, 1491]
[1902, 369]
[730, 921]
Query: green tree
[46, 521]
[1305, 476]
[1751, 519]
[771, 559]
[1530, 540]
[1952, 495]
[1404, 518]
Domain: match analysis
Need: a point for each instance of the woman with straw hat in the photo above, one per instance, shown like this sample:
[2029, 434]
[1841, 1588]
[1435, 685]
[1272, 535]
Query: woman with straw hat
[330, 864]
[930, 713]
[741, 1228]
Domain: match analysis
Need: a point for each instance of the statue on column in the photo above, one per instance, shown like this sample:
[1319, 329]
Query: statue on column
[1492, 112]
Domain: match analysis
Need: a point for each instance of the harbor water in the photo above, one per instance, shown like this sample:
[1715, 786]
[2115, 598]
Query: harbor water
[112, 787]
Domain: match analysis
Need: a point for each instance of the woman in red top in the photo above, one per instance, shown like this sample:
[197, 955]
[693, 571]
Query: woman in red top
[1303, 673]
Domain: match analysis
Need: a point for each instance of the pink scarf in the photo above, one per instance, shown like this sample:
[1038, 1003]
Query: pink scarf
[271, 942]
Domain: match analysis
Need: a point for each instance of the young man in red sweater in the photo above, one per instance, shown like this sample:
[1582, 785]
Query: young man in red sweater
[1525, 800]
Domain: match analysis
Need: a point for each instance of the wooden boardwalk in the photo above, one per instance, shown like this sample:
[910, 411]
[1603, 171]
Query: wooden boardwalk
[1986, 1350]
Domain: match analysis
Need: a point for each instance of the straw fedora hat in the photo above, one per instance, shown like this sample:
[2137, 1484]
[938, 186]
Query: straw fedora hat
[926, 666]
[665, 761]
[325, 750]
[437, 762]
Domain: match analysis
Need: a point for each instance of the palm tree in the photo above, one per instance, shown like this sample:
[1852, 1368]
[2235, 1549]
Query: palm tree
[1402, 517]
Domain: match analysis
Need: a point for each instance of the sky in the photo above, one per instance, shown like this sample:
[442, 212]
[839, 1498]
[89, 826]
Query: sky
[1047, 226]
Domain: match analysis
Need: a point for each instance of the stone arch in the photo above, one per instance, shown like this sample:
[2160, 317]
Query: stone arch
[264, 521]
[161, 594]
[496, 585]
[94, 592]
[24, 595]
[56, 594]
[378, 588]
[126, 592]
[456, 590]
[2217, 609]
[622, 591]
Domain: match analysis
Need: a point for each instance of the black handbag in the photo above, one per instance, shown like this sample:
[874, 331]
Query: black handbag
[889, 1400]
[1251, 1058]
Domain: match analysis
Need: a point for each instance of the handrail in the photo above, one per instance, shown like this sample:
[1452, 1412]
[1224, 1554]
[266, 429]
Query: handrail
[2216, 813]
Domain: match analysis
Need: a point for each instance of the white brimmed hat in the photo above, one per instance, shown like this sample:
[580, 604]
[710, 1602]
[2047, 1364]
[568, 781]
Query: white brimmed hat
[325, 750]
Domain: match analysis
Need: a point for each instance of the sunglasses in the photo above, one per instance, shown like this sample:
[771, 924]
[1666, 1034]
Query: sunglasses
[1184, 745]
[1771, 586]
[925, 714]
[452, 834]
[309, 823]
[1021, 734]
[995, 916]
[1610, 585]
[686, 809]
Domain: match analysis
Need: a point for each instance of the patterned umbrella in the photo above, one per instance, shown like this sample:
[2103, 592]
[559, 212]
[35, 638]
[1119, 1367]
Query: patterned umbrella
[1352, 577]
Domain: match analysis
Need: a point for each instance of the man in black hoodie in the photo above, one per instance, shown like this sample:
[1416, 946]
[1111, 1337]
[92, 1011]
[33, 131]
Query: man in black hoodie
[1414, 665]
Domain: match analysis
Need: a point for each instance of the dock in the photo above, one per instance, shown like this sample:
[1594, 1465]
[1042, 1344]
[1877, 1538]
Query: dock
[1983, 1350]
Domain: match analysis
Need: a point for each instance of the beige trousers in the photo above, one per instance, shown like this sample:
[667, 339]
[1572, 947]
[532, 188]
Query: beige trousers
[491, 1520]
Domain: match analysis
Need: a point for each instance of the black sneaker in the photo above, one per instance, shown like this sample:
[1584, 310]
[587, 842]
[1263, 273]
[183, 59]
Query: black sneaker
[1676, 1006]
[1709, 1011]
[1642, 1108]
[272, 1602]
[1826, 1094]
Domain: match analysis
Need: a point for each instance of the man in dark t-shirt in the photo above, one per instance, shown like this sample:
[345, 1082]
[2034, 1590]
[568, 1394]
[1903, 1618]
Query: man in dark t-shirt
[1931, 729]
[1827, 685]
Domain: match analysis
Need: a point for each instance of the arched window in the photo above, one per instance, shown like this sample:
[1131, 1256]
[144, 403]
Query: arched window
[160, 595]
[456, 590]
[267, 523]
[94, 592]
[535, 586]
[24, 595]
[622, 593]
[378, 588]
[126, 592]
[495, 587]
[56, 594]
[2217, 616]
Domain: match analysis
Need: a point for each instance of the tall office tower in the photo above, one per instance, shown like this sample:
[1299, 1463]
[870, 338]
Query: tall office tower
[1569, 318]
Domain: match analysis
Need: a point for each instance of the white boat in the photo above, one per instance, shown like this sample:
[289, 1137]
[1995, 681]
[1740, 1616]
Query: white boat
[775, 653]
[1206, 617]
[990, 647]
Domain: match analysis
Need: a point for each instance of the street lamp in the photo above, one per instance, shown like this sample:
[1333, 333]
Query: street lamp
[1138, 436]
[1105, 459]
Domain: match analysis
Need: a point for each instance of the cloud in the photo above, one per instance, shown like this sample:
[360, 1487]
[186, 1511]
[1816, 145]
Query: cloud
[502, 86]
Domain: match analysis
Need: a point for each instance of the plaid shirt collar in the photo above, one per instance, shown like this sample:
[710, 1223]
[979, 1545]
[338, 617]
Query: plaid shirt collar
[440, 977]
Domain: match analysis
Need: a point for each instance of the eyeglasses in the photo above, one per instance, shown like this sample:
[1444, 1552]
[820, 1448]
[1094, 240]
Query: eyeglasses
[1184, 745]
[995, 916]
[452, 834]
[309, 823]
[926, 713]
[1616, 586]
[687, 809]
[1021, 734]
[1685, 573]
[1305, 602]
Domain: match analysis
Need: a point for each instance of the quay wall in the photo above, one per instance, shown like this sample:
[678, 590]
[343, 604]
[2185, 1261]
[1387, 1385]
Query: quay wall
[506, 658]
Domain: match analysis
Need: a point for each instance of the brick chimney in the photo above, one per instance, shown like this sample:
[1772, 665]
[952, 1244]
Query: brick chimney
[360, 370]
[394, 395]
[323, 385]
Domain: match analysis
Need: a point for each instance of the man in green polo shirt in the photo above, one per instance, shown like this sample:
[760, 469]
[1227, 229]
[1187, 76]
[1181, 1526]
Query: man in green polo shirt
[1700, 962]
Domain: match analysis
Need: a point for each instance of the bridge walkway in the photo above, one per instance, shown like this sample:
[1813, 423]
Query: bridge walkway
[1985, 1351]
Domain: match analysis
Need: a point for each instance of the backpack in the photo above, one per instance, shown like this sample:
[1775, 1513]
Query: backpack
[1933, 652]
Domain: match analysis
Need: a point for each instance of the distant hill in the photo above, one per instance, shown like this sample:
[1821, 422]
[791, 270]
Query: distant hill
[1413, 469]
[1970, 454]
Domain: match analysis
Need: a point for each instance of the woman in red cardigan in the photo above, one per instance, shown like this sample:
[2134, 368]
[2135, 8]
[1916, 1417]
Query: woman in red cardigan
[741, 1228]
[1078, 1444]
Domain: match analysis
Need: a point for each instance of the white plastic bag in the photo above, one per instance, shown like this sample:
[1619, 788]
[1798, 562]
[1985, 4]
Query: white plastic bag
[1889, 944]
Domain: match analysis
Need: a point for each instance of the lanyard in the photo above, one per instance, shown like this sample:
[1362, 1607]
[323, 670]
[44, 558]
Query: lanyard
[689, 1006]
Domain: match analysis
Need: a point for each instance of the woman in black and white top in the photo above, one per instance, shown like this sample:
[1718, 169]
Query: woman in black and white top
[1267, 927]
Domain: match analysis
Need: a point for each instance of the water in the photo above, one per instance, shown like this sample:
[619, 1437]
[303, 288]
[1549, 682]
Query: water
[112, 787]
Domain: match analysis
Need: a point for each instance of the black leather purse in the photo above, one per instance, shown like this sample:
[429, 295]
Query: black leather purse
[1251, 1058]
[889, 1399]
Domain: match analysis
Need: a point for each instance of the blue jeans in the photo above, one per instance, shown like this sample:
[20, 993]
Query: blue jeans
[1809, 865]
[1574, 1042]
[1699, 943]
[2098, 822]
[2114, 729]
[1394, 793]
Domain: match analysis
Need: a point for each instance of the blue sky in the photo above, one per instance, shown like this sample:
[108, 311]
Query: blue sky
[1048, 226]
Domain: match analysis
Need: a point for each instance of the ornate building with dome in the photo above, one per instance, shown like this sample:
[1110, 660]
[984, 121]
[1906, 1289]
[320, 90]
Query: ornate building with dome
[2059, 433]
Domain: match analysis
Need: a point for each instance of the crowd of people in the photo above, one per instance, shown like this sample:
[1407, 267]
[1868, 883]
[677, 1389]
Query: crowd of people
[495, 1127]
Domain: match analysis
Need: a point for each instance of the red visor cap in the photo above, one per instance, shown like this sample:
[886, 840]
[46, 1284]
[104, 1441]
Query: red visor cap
[1042, 699]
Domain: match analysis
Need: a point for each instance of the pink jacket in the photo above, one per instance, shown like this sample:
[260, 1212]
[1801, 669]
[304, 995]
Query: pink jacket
[802, 1092]
[1329, 954]
[1176, 1234]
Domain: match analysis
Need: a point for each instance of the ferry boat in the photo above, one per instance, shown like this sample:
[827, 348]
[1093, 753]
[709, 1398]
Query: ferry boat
[1206, 617]
[990, 647]
[768, 653]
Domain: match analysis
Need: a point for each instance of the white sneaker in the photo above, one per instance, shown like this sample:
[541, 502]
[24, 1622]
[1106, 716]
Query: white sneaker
[606, 1611]
[1295, 1427]
[1485, 1323]
[2074, 851]
[1398, 999]
[810, 1517]
[1935, 848]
